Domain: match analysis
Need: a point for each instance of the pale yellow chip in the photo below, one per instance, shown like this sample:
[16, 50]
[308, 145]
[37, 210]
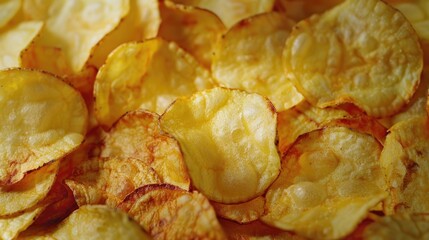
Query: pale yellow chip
[10, 227]
[148, 75]
[242, 212]
[98, 222]
[8, 9]
[405, 161]
[193, 29]
[371, 57]
[332, 175]
[139, 135]
[42, 119]
[109, 180]
[142, 22]
[14, 40]
[168, 212]
[249, 57]
[232, 11]
[398, 227]
[228, 142]
[32, 189]
[301, 9]
[417, 12]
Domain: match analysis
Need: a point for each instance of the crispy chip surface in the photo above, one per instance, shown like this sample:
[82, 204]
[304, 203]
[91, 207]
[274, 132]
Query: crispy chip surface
[168, 212]
[12, 226]
[8, 9]
[148, 75]
[241, 212]
[405, 160]
[109, 180]
[42, 119]
[235, 64]
[228, 141]
[371, 57]
[417, 12]
[332, 175]
[398, 227]
[139, 135]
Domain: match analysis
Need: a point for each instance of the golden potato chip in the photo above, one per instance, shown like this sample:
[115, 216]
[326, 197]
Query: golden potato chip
[40, 57]
[14, 39]
[236, 64]
[148, 75]
[228, 142]
[8, 9]
[29, 191]
[42, 119]
[417, 12]
[301, 9]
[232, 11]
[398, 227]
[242, 212]
[109, 180]
[138, 135]
[332, 175]
[98, 222]
[36, 9]
[371, 57]
[142, 22]
[13, 225]
[168, 212]
[405, 161]
[193, 29]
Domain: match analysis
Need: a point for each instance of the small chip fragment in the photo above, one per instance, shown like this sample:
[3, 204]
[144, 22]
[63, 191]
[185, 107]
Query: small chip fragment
[241, 212]
[228, 142]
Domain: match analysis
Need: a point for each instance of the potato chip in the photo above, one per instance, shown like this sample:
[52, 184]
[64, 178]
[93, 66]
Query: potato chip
[98, 222]
[149, 75]
[168, 212]
[109, 180]
[371, 57]
[228, 142]
[301, 9]
[332, 175]
[40, 57]
[42, 120]
[195, 30]
[29, 191]
[14, 39]
[242, 212]
[36, 9]
[398, 227]
[232, 11]
[13, 225]
[405, 161]
[138, 135]
[142, 22]
[235, 64]
[417, 12]
[8, 9]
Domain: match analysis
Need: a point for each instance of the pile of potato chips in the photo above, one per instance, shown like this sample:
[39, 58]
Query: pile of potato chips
[207, 119]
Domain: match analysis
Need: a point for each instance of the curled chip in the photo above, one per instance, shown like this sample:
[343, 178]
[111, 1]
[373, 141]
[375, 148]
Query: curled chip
[241, 212]
[235, 64]
[138, 135]
[8, 9]
[402, 226]
[332, 175]
[12, 226]
[26, 193]
[195, 30]
[228, 142]
[232, 11]
[371, 57]
[405, 161]
[14, 40]
[109, 180]
[149, 75]
[42, 119]
[98, 222]
[168, 212]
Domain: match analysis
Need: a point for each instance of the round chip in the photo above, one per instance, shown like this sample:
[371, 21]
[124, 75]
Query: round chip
[148, 75]
[12, 226]
[241, 212]
[228, 141]
[371, 57]
[168, 212]
[109, 180]
[235, 64]
[8, 9]
[42, 119]
[405, 161]
[398, 227]
[332, 175]
[138, 135]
